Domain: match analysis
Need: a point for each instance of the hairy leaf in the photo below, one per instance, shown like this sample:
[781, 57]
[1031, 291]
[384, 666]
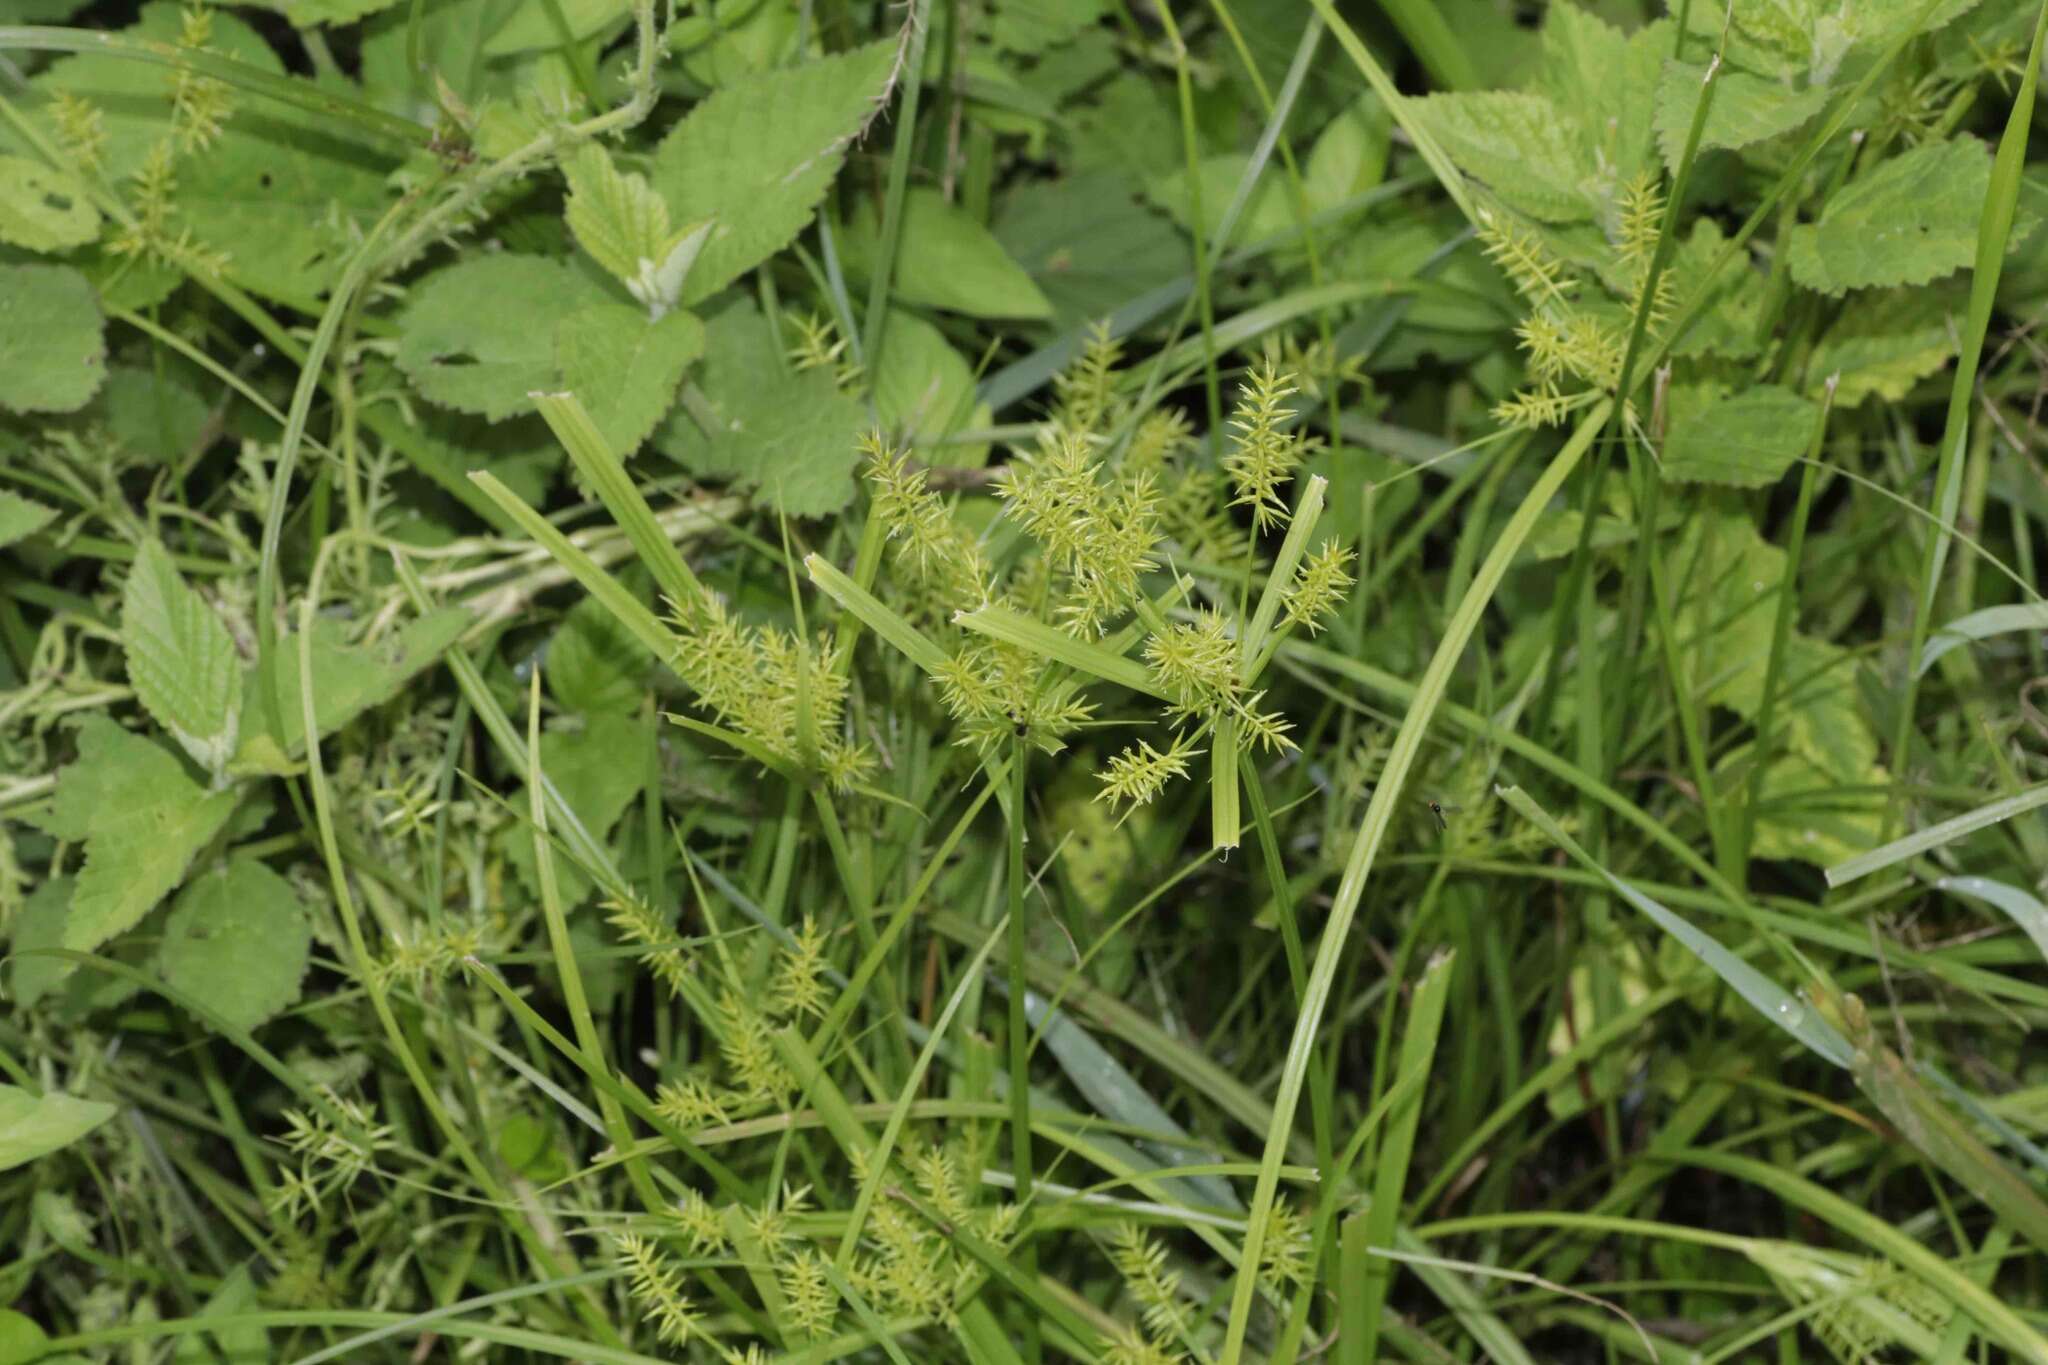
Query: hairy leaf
[347, 680]
[945, 259]
[479, 336]
[1911, 220]
[1746, 441]
[790, 435]
[1519, 144]
[53, 349]
[238, 938]
[142, 820]
[42, 210]
[181, 659]
[757, 155]
[594, 664]
[1747, 109]
[625, 368]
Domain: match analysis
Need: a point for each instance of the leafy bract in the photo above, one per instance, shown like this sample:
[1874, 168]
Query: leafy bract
[791, 435]
[347, 680]
[142, 820]
[624, 367]
[480, 336]
[756, 157]
[33, 1126]
[1910, 220]
[53, 350]
[1746, 109]
[1745, 441]
[41, 209]
[238, 939]
[20, 518]
[181, 659]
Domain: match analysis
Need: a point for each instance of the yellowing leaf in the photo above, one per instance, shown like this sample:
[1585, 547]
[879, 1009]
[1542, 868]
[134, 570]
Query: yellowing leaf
[142, 821]
[181, 659]
[757, 155]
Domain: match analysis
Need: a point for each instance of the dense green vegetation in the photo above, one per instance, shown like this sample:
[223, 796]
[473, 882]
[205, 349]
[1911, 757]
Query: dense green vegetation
[999, 680]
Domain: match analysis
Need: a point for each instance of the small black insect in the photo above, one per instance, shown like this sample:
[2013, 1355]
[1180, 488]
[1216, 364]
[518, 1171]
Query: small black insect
[1019, 726]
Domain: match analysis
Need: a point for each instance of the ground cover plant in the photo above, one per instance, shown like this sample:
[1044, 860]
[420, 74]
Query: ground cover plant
[999, 680]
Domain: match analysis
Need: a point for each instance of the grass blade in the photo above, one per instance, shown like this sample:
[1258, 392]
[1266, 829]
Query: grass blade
[1934, 836]
[1379, 816]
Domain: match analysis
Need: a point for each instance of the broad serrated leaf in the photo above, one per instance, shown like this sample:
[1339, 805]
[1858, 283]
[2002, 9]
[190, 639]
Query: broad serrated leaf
[53, 347]
[625, 368]
[616, 216]
[347, 680]
[792, 436]
[595, 665]
[283, 192]
[181, 659]
[1746, 441]
[156, 418]
[1604, 81]
[237, 938]
[756, 157]
[1746, 109]
[1029, 29]
[1911, 220]
[1728, 325]
[1518, 143]
[33, 1126]
[20, 518]
[480, 336]
[1883, 343]
[42, 210]
[142, 821]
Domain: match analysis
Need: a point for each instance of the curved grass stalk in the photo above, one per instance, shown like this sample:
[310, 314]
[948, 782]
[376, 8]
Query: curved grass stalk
[1379, 815]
